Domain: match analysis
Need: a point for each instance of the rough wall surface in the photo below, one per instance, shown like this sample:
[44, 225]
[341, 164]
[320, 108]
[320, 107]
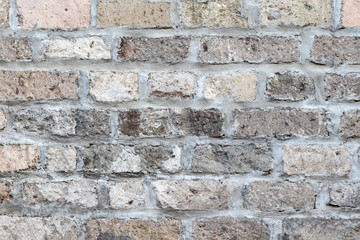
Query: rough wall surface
[181, 119]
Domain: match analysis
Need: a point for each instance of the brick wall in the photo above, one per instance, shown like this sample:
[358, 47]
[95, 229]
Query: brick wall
[182, 119]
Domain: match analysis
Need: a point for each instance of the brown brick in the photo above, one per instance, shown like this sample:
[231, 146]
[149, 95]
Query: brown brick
[18, 157]
[342, 87]
[250, 49]
[350, 123]
[345, 195]
[4, 13]
[12, 49]
[350, 13]
[127, 194]
[5, 191]
[61, 159]
[170, 50]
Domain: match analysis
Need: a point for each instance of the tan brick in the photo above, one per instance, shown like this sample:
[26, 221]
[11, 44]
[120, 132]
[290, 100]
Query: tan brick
[344, 194]
[54, 13]
[342, 87]
[350, 123]
[241, 87]
[351, 13]
[133, 13]
[213, 13]
[18, 157]
[12, 49]
[3, 119]
[114, 86]
[4, 13]
[61, 159]
[5, 191]
[316, 159]
[127, 194]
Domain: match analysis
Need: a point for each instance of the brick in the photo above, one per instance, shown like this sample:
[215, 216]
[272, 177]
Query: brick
[320, 229]
[80, 193]
[240, 86]
[218, 13]
[92, 48]
[63, 14]
[336, 50]
[279, 122]
[3, 119]
[279, 196]
[18, 157]
[61, 159]
[230, 228]
[191, 195]
[38, 85]
[250, 49]
[131, 13]
[342, 87]
[5, 191]
[13, 228]
[4, 13]
[172, 85]
[316, 159]
[350, 13]
[165, 49]
[232, 159]
[297, 12]
[127, 194]
[13, 49]
[345, 195]
[171, 122]
[350, 123]
[135, 229]
[291, 86]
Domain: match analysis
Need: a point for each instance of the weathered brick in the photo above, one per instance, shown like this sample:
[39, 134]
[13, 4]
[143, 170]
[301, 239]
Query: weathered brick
[135, 229]
[213, 13]
[172, 85]
[320, 229]
[297, 12]
[350, 123]
[316, 159]
[279, 122]
[5, 191]
[191, 195]
[342, 87]
[279, 196]
[3, 119]
[93, 48]
[345, 195]
[114, 86]
[4, 13]
[127, 194]
[230, 228]
[38, 85]
[165, 49]
[54, 14]
[61, 159]
[14, 228]
[292, 86]
[350, 13]
[239, 86]
[76, 192]
[131, 13]
[18, 157]
[225, 159]
[250, 49]
[13, 49]
[336, 50]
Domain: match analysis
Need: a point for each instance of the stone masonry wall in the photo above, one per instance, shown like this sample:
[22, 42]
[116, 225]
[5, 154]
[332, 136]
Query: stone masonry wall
[180, 119]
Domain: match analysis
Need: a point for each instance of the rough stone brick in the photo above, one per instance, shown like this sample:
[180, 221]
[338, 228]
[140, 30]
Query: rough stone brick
[131, 13]
[54, 14]
[18, 157]
[350, 123]
[342, 87]
[350, 13]
[38, 85]
[14, 228]
[114, 86]
[250, 49]
[240, 86]
[5, 191]
[61, 159]
[136, 229]
[336, 50]
[345, 195]
[4, 13]
[279, 196]
[316, 159]
[297, 12]
[292, 86]
[320, 229]
[210, 13]
[76, 192]
[279, 122]
[3, 119]
[92, 48]
[172, 85]
[165, 49]
[228, 159]
[229, 228]
[127, 194]
[12, 49]
[191, 195]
